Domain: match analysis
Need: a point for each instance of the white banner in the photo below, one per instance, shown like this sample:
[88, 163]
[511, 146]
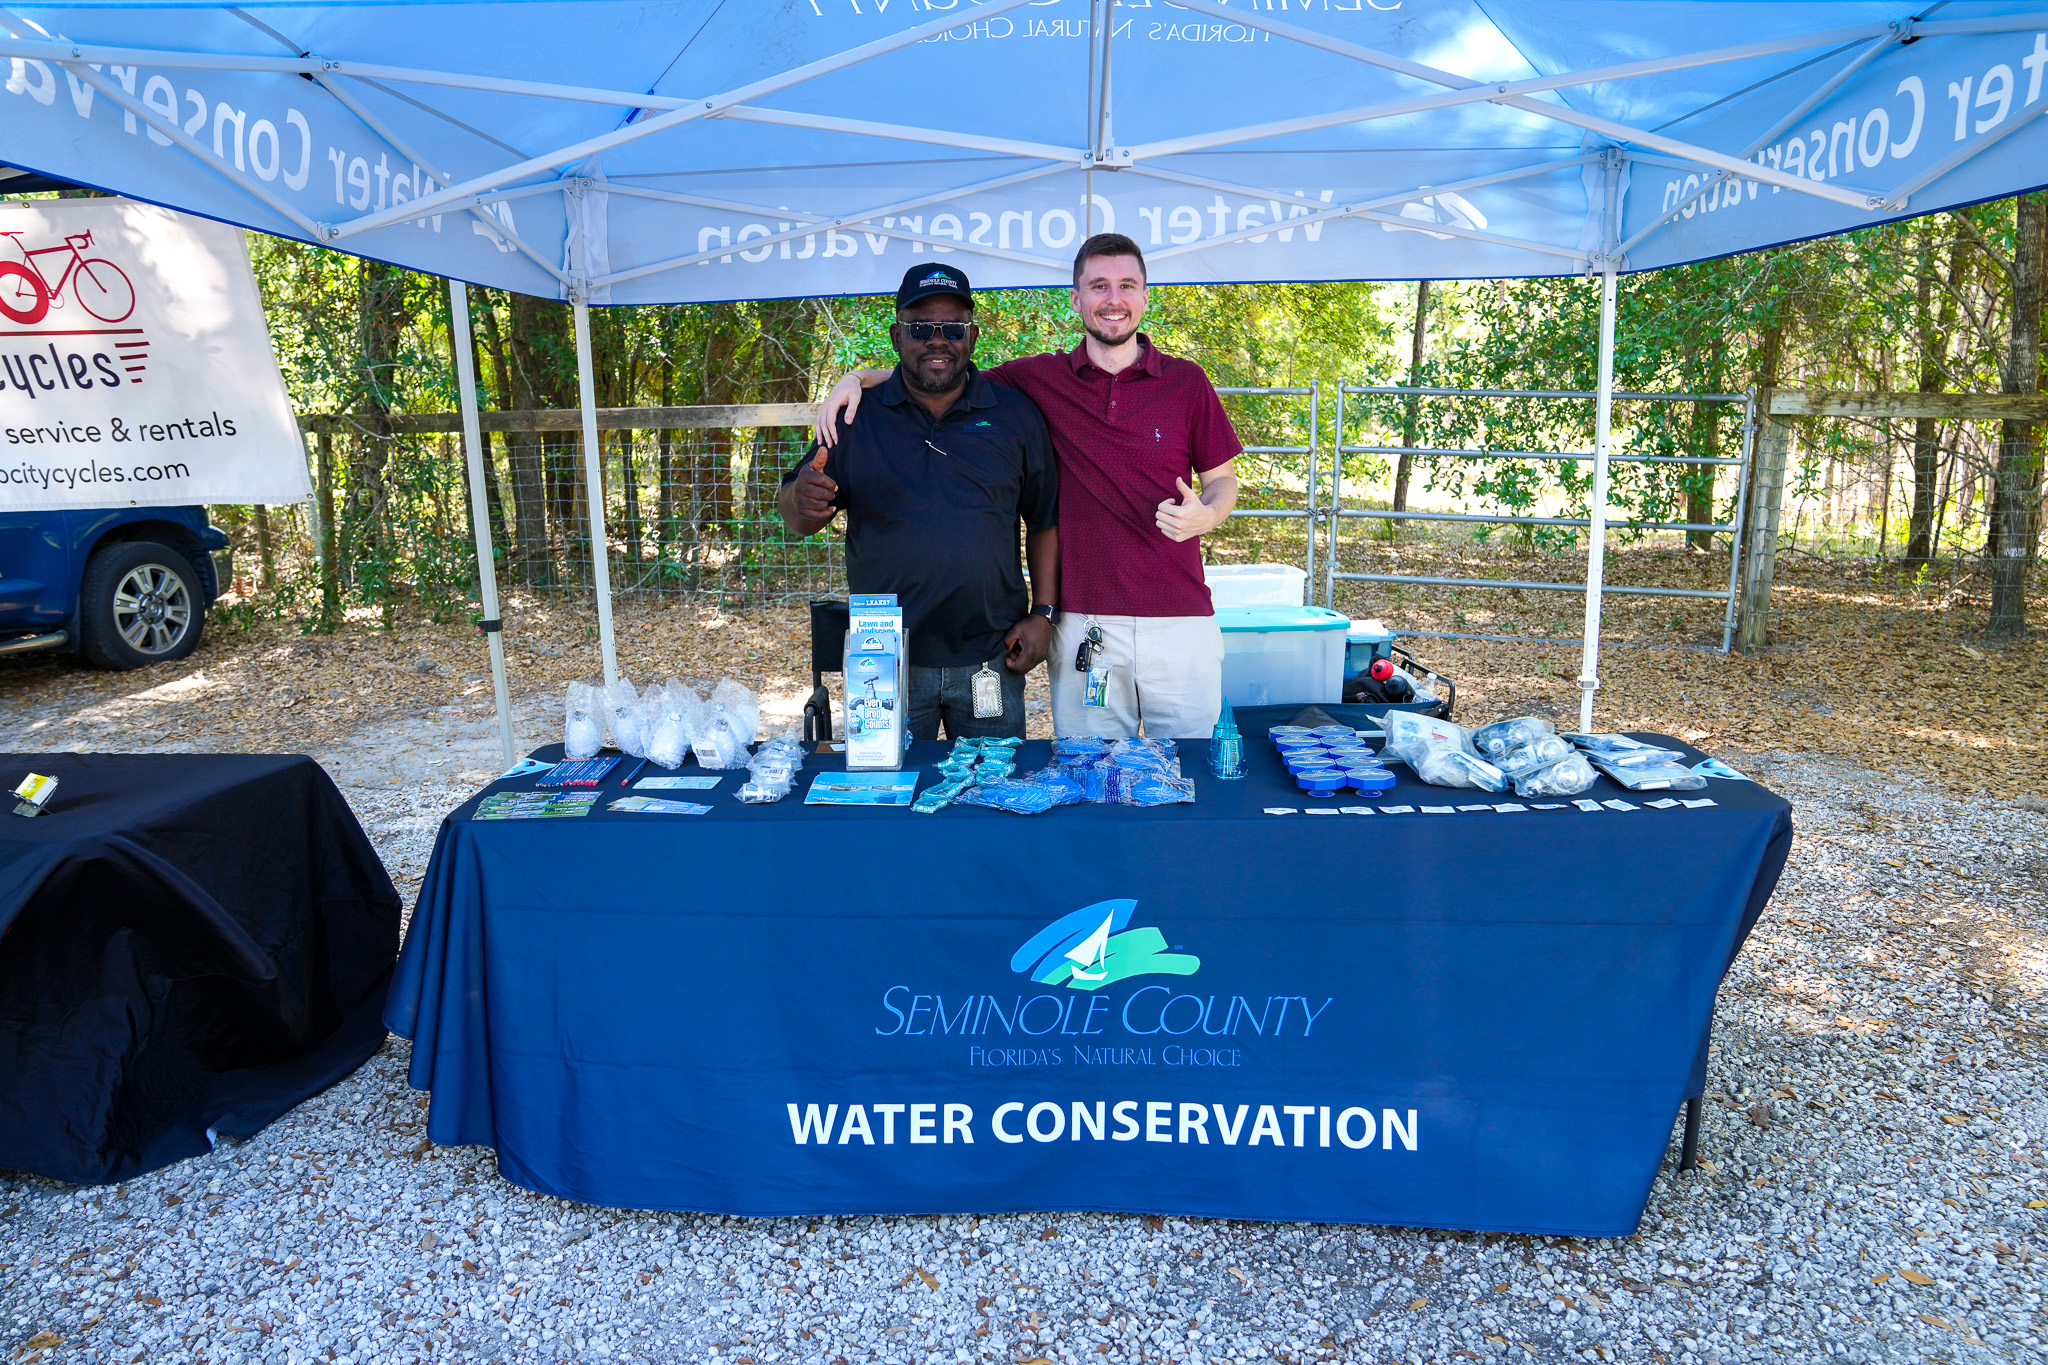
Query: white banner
[135, 367]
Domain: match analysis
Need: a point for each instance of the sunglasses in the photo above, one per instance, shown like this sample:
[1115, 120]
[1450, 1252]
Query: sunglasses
[924, 331]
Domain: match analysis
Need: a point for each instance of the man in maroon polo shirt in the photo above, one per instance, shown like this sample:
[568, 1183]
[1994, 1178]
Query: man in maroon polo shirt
[1146, 454]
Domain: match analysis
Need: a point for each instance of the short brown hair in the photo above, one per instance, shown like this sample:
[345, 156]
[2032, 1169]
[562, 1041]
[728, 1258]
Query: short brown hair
[1107, 244]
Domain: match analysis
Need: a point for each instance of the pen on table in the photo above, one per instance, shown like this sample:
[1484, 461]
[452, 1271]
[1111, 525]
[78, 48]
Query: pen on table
[627, 780]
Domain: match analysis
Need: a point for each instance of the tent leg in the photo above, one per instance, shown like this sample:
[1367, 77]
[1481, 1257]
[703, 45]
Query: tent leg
[480, 513]
[1596, 546]
[593, 483]
[1689, 1145]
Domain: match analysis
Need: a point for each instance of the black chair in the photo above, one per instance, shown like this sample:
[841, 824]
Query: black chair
[829, 621]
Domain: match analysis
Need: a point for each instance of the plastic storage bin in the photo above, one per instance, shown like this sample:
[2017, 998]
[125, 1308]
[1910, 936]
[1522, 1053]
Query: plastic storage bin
[1275, 655]
[1364, 642]
[1256, 585]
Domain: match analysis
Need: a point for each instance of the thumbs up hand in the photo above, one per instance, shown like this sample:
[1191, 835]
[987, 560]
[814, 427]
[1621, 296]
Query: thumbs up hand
[1185, 519]
[814, 491]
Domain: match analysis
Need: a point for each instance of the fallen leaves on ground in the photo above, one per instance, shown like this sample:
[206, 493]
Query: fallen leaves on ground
[1886, 674]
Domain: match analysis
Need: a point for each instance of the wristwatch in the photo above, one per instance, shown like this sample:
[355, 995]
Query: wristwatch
[1047, 610]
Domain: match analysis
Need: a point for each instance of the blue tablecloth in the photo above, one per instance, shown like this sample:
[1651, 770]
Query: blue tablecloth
[1473, 1020]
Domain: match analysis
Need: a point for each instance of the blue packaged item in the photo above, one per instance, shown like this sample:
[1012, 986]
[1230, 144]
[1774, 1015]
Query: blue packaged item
[1021, 798]
[1278, 732]
[1320, 782]
[1151, 789]
[1368, 779]
[1079, 746]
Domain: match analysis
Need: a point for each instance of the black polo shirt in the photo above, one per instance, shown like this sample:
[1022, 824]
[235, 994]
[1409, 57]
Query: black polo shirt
[932, 506]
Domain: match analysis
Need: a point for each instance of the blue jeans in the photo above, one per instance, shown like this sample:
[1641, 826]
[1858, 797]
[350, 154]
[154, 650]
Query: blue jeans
[947, 694]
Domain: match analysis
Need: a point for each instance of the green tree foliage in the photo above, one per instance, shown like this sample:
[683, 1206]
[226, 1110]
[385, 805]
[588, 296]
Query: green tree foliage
[1925, 304]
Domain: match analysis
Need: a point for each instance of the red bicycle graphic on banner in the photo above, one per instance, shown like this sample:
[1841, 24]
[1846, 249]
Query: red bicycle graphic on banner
[99, 286]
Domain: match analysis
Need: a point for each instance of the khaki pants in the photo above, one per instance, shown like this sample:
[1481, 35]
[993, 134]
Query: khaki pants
[1165, 676]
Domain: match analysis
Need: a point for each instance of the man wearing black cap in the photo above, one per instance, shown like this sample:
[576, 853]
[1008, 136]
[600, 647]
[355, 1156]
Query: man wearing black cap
[933, 485]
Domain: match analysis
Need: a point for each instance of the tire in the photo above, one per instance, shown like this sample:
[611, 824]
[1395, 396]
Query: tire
[102, 290]
[139, 603]
[22, 296]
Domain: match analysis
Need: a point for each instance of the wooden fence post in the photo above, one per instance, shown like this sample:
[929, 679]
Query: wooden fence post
[1760, 537]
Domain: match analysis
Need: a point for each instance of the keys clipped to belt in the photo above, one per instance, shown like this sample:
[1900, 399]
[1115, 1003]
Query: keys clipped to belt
[987, 689]
[1097, 691]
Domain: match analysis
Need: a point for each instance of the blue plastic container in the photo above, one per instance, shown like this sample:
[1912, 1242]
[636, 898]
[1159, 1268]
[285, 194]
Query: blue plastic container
[1320, 782]
[1368, 780]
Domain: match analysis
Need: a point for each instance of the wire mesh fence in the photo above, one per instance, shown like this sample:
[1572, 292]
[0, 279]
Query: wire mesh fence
[690, 512]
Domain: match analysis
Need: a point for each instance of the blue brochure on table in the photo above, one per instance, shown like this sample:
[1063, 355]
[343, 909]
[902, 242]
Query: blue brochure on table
[862, 789]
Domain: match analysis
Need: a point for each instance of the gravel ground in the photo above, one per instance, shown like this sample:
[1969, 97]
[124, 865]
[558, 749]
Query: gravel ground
[1875, 1138]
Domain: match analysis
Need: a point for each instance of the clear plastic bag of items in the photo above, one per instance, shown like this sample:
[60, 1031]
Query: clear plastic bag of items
[1638, 766]
[625, 717]
[668, 714]
[1652, 775]
[773, 770]
[725, 728]
[1568, 776]
[1440, 752]
[582, 721]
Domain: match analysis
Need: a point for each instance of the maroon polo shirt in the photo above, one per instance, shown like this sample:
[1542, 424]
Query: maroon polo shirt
[1122, 440]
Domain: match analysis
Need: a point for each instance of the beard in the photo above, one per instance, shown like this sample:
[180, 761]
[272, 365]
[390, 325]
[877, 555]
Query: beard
[916, 377]
[1129, 328]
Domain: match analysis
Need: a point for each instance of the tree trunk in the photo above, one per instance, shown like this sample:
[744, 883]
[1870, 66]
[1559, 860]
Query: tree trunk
[1706, 433]
[265, 555]
[533, 352]
[330, 582]
[2017, 475]
[667, 460]
[1416, 343]
[628, 487]
[711, 471]
[381, 319]
[1934, 344]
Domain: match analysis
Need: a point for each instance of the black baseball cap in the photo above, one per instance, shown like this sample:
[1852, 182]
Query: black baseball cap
[930, 279]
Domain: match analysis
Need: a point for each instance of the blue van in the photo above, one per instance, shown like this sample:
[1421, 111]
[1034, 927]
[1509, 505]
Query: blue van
[122, 586]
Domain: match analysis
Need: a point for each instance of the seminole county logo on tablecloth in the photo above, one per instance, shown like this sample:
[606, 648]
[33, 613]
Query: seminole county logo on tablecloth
[1091, 948]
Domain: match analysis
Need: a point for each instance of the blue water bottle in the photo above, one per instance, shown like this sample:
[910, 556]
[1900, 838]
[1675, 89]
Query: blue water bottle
[1226, 746]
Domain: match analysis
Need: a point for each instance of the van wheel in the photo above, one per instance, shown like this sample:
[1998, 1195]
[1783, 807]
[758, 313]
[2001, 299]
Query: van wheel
[139, 603]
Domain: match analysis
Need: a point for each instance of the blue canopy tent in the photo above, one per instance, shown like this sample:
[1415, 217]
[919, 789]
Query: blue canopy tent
[614, 153]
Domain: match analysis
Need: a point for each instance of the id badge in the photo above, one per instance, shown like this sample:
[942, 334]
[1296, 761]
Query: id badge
[1097, 692]
[987, 689]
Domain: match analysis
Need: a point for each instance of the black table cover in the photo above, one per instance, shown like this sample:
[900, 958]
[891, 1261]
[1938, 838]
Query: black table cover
[187, 941]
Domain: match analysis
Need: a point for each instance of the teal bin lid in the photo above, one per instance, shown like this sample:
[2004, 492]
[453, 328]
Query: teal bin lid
[1237, 619]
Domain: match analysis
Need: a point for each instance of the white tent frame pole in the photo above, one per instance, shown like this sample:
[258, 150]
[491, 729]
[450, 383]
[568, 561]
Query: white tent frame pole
[1869, 53]
[593, 487]
[480, 512]
[708, 107]
[1603, 427]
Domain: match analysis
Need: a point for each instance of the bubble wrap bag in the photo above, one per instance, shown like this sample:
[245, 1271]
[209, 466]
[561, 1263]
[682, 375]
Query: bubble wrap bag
[726, 729]
[582, 722]
[667, 713]
[624, 717]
